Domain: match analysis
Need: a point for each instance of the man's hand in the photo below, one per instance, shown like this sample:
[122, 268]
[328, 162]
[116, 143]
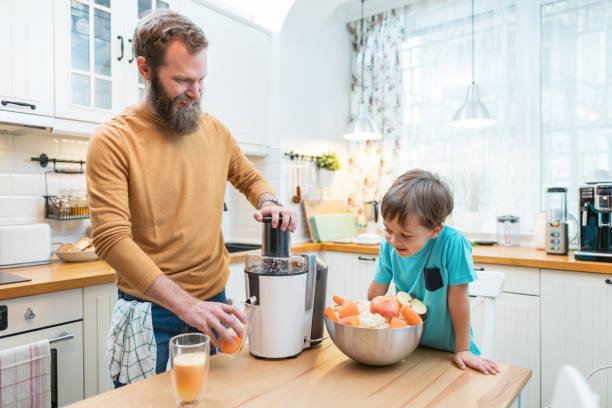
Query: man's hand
[288, 214]
[206, 316]
[466, 358]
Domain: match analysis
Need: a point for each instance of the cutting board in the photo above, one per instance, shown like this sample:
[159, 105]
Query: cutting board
[331, 227]
[321, 207]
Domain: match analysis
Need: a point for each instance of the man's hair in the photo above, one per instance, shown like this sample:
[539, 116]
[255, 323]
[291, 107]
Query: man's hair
[421, 193]
[155, 32]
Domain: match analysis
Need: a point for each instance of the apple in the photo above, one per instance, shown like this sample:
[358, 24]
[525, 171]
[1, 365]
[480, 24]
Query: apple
[385, 306]
[419, 307]
[404, 298]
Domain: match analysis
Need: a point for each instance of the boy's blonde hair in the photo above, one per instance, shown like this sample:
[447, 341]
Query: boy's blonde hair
[418, 192]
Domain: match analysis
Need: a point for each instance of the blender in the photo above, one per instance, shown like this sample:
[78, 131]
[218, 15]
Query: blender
[289, 292]
[556, 221]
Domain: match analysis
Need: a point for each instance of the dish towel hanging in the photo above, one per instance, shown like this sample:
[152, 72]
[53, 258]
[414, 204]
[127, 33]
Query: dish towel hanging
[131, 349]
[25, 376]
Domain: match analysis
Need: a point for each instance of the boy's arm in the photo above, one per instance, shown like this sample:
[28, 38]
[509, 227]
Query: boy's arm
[459, 308]
[377, 289]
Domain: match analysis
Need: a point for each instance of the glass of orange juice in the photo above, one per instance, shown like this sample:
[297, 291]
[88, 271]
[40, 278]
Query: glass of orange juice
[189, 356]
[232, 350]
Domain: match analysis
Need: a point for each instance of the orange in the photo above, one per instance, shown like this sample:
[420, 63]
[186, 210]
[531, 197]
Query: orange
[412, 317]
[188, 371]
[396, 323]
[338, 300]
[350, 321]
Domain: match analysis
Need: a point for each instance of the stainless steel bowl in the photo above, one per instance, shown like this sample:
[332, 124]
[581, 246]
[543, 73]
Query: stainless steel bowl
[376, 347]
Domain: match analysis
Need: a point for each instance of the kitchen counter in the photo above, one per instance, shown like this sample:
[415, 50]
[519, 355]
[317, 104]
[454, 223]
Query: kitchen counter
[61, 276]
[325, 377]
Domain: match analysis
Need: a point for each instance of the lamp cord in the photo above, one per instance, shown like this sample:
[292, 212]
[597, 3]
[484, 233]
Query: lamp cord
[473, 42]
[363, 56]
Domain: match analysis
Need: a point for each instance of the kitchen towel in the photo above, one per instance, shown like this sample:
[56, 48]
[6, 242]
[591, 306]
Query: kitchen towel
[25, 376]
[131, 348]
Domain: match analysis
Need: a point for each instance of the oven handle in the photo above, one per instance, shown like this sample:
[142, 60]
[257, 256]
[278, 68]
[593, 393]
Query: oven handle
[63, 336]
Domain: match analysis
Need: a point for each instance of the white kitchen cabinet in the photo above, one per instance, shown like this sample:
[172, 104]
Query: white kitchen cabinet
[239, 82]
[576, 329]
[95, 67]
[349, 274]
[517, 324]
[26, 46]
[98, 304]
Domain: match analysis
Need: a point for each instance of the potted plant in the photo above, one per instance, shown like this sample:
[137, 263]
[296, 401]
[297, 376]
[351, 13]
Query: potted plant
[328, 164]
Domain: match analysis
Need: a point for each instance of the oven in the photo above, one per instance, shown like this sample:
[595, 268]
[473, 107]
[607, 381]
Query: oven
[57, 317]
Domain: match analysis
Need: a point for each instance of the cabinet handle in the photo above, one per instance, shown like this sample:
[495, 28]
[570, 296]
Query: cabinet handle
[120, 57]
[131, 51]
[479, 269]
[29, 314]
[63, 336]
[363, 258]
[608, 281]
[6, 102]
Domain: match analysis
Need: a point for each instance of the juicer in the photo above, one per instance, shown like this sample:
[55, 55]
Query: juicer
[290, 296]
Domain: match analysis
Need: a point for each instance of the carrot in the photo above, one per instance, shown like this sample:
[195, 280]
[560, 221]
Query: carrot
[331, 315]
[396, 323]
[350, 321]
[412, 317]
[338, 300]
[348, 309]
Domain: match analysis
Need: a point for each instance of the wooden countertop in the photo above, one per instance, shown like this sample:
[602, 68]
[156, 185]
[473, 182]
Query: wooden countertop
[324, 377]
[61, 276]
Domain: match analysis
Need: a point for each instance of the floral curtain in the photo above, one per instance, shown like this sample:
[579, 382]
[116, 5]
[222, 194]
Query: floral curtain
[373, 164]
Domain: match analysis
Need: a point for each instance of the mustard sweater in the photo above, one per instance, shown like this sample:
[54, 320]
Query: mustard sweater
[156, 200]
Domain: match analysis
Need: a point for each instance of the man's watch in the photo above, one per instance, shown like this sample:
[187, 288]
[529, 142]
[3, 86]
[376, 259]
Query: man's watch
[273, 199]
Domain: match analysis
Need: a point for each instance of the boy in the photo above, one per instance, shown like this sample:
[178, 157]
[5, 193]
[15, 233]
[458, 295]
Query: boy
[431, 261]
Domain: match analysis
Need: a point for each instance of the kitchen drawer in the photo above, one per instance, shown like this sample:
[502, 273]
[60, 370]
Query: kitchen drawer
[47, 310]
[521, 280]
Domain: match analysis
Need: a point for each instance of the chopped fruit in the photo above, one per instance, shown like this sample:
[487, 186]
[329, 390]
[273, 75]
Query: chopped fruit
[385, 306]
[418, 307]
[412, 317]
[331, 315]
[396, 323]
[348, 309]
[338, 300]
[404, 298]
[350, 321]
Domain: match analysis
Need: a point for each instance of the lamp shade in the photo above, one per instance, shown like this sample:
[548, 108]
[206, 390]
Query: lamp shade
[472, 114]
[362, 127]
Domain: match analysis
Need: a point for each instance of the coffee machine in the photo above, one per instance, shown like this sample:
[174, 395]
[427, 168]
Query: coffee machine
[595, 206]
[556, 221]
[290, 296]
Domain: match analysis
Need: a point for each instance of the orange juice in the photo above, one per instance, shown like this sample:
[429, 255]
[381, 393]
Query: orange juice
[188, 372]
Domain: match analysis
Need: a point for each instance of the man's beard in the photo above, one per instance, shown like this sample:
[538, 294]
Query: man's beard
[180, 120]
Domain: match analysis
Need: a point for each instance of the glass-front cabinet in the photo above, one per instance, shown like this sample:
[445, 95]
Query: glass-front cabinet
[95, 67]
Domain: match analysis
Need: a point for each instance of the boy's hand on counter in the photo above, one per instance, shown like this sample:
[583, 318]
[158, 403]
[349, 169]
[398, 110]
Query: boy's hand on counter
[466, 358]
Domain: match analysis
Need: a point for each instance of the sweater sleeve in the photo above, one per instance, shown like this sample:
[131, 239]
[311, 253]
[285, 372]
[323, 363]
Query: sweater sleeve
[107, 174]
[241, 173]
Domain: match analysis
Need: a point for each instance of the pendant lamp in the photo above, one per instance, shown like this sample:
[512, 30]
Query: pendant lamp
[362, 127]
[472, 114]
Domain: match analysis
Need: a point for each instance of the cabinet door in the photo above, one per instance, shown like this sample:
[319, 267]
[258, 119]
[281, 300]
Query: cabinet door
[134, 85]
[239, 82]
[26, 46]
[349, 274]
[90, 50]
[98, 304]
[516, 340]
[576, 329]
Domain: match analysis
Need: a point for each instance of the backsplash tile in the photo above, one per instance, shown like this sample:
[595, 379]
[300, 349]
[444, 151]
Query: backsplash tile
[27, 184]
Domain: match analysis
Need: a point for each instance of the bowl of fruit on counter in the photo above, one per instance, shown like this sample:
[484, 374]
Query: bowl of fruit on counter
[380, 332]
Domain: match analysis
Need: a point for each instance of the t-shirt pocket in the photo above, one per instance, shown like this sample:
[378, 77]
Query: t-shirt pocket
[433, 279]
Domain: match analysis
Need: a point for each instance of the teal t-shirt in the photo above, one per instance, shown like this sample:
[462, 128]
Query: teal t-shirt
[451, 254]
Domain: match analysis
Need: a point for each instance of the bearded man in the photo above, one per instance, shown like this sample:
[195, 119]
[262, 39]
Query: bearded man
[156, 177]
